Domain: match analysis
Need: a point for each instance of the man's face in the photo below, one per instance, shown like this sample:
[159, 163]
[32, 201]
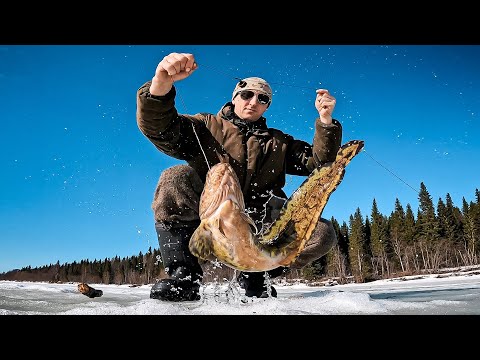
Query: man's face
[250, 105]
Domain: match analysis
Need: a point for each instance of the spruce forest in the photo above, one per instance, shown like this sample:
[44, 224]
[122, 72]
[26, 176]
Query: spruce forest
[370, 247]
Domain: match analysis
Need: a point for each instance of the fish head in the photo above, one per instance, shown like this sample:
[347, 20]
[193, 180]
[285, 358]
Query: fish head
[221, 184]
[83, 288]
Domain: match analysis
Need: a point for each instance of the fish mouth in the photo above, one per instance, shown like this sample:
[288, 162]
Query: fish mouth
[221, 185]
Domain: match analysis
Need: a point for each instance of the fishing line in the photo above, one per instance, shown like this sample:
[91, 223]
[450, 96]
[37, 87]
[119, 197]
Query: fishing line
[311, 88]
[235, 78]
[193, 127]
[302, 87]
[416, 191]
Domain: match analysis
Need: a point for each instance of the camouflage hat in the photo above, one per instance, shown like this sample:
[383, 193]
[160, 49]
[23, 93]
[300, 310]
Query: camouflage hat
[253, 83]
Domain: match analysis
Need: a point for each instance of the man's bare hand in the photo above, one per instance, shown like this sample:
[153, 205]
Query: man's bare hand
[325, 104]
[173, 67]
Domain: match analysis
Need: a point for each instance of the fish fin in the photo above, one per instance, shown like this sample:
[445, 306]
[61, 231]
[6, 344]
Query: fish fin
[245, 217]
[224, 246]
[200, 243]
[286, 236]
[219, 224]
[250, 221]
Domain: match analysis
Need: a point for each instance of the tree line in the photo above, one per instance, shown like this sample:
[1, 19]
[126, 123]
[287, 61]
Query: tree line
[370, 247]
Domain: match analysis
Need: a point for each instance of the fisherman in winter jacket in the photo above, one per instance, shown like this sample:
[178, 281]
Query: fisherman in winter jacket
[261, 157]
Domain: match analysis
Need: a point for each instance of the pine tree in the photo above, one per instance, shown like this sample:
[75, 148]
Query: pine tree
[336, 262]
[357, 255]
[410, 225]
[397, 234]
[448, 233]
[343, 241]
[476, 215]
[454, 215]
[107, 272]
[442, 218]
[428, 229]
[469, 232]
[378, 242]
[427, 220]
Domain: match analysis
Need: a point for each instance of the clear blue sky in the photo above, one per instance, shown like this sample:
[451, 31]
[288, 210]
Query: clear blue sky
[78, 176]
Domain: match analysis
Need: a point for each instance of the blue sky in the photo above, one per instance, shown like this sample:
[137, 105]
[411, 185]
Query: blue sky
[78, 176]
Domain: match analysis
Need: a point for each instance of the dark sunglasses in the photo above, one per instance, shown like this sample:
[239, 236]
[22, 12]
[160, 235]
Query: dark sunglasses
[247, 94]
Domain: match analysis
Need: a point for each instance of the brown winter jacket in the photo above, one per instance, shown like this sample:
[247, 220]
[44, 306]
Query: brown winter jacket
[260, 156]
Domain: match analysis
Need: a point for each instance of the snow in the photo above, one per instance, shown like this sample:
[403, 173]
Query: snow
[445, 294]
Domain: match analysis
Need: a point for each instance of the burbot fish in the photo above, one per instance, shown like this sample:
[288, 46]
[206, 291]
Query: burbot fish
[228, 234]
[89, 291]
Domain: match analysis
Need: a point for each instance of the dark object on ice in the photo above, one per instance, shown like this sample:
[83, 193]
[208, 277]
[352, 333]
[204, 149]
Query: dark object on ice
[89, 291]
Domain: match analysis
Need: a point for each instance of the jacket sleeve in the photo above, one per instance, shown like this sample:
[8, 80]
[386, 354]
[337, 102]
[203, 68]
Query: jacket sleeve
[303, 158]
[159, 121]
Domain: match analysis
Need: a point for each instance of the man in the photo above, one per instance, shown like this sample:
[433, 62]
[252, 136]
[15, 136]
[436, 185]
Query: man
[261, 157]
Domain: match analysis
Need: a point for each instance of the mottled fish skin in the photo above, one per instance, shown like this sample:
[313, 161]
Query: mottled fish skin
[228, 234]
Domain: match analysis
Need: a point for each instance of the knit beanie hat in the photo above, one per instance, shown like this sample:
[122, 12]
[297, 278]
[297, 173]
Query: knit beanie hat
[253, 83]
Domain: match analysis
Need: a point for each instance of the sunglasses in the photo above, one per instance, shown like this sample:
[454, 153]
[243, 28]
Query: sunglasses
[248, 94]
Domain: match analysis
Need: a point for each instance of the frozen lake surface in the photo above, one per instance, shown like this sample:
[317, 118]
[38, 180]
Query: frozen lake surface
[454, 293]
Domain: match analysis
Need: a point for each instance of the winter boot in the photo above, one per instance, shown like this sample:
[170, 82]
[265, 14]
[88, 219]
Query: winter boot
[182, 267]
[255, 284]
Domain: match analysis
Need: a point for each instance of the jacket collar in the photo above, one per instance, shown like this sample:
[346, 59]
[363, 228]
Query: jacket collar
[227, 113]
